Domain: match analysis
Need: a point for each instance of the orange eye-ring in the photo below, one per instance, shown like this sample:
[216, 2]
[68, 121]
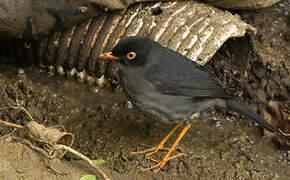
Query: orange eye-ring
[131, 55]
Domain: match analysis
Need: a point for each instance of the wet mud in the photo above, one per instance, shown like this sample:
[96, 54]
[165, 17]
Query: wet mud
[220, 145]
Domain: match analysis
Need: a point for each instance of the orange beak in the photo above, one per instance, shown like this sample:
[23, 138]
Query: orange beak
[108, 55]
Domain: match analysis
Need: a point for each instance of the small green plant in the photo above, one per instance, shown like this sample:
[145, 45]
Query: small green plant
[88, 177]
[99, 162]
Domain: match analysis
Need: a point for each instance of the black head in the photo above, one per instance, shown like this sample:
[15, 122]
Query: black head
[131, 51]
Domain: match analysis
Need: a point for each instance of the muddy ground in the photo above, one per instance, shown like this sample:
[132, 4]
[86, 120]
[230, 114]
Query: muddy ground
[221, 145]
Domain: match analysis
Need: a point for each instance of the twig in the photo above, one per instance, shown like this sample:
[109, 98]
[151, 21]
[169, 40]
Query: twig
[33, 147]
[41, 151]
[21, 108]
[55, 147]
[7, 135]
[56, 171]
[59, 146]
[11, 124]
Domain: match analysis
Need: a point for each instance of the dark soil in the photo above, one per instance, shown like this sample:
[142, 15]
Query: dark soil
[221, 145]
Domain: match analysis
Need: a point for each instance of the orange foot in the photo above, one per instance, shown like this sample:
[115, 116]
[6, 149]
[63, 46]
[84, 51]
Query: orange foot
[167, 157]
[151, 150]
[162, 162]
[155, 149]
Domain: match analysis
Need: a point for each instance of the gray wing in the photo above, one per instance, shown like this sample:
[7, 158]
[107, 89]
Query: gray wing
[183, 77]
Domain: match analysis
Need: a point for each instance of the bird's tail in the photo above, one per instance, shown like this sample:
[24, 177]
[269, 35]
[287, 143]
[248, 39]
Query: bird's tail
[244, 110]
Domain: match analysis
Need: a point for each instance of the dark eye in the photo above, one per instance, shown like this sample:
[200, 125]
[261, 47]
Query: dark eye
[131, 55]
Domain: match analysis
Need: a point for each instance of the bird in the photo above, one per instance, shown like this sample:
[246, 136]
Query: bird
[170, 87]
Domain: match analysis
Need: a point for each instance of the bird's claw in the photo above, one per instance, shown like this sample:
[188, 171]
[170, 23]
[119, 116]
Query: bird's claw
[154, 160]
[156, 150]
[161, 163]
[150, 151]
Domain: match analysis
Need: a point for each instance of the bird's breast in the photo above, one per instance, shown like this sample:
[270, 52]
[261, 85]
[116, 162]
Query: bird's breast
[146, 97]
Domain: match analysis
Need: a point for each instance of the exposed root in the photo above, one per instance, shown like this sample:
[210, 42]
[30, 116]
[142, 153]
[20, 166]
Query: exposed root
[55, 141]
[64, 147]
[11, 124]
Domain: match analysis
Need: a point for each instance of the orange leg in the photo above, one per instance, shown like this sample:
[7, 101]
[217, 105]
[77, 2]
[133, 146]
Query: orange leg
[160, 145]
[167, 157]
